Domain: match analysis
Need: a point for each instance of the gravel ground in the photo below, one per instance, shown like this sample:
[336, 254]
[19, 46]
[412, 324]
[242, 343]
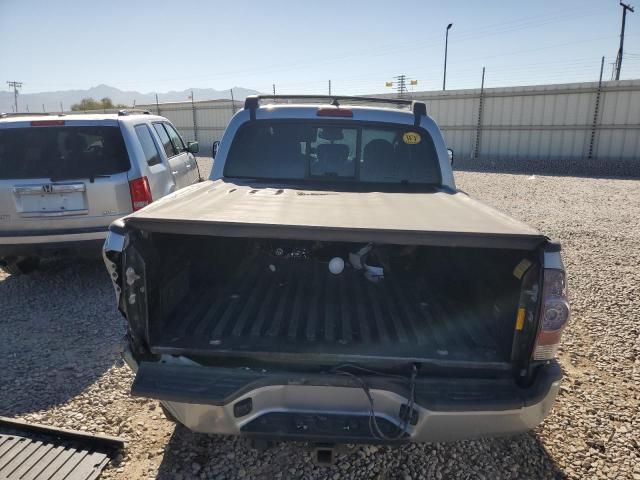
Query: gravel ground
[60, 363]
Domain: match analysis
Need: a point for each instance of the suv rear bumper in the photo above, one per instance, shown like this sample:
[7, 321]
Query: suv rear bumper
[334, 408]
[46, 243]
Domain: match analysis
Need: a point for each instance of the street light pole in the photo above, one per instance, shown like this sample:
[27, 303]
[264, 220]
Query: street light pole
[446, 45]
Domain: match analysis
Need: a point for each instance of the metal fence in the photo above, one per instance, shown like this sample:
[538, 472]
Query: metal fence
[203, 122]
[590, 128]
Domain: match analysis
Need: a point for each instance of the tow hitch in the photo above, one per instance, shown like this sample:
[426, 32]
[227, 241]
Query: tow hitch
[324, 453]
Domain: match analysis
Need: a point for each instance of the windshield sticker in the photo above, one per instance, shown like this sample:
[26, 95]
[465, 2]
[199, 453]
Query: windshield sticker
[411, 138]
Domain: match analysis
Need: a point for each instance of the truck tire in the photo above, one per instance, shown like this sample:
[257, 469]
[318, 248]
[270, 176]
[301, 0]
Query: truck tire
[168, 415]
[20, 266]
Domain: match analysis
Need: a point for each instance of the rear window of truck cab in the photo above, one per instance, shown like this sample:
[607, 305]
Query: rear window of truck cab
[62, 152]
[349, 152]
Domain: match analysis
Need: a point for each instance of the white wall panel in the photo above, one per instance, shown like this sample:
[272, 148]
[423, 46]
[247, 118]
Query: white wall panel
[544, 122]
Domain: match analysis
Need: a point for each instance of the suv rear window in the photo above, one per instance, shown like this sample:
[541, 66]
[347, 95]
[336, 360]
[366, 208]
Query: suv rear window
[62, 152]
[356, 152]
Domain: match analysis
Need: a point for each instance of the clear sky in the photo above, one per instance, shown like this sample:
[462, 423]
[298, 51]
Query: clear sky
[157, 45]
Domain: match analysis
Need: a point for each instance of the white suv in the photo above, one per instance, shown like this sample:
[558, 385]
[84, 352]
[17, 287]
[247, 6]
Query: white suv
[65, 178]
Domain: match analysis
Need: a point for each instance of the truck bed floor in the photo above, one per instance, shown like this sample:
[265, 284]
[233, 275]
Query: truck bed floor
[301, 308]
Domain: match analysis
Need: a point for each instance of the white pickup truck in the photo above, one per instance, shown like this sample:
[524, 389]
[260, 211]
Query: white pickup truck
[329, 283]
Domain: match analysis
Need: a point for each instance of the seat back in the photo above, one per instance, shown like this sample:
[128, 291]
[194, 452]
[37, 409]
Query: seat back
[333, 158]
[377, 160]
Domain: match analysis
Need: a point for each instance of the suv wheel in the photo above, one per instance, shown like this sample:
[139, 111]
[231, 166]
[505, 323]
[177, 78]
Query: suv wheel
[21, 265]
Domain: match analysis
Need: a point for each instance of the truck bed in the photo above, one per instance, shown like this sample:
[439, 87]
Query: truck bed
[284, 307]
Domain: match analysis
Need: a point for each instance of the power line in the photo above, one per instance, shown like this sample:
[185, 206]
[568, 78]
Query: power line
[464, 59]
[516, 24]
[368, 80]
[384, 50]
[528, 50]
[15, 85]
[581, 69]
[526, 68]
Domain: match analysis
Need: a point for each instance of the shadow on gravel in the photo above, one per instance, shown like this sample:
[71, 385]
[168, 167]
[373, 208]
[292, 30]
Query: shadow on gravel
[190, 455]
[60, 332]
[613, 169]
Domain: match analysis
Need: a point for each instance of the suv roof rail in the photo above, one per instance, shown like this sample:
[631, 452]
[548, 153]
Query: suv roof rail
[29, 114]
[130, 111]
[252, 102]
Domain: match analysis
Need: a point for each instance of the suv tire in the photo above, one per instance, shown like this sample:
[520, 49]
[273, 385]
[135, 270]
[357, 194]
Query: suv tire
[20, 266]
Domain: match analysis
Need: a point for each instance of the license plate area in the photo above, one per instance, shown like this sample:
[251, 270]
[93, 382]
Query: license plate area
[51, 199]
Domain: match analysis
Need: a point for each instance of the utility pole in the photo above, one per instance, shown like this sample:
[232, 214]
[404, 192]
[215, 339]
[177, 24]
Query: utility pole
[61, 109]
[613, 68]
[625, 7]
[157, 105]
[43, 110]
[233, 102]
[193, 112]
[15, 85]
[274, 88]
[446, 46]
[329, 87]
[400, 84]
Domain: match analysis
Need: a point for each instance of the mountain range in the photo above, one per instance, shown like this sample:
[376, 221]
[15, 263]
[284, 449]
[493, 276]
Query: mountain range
[50, 101]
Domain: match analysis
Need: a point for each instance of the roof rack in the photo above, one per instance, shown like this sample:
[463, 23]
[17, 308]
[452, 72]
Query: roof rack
[252, 102]
[130, 111]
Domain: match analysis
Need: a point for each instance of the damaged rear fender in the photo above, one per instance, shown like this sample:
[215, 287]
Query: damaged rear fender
[112, 250]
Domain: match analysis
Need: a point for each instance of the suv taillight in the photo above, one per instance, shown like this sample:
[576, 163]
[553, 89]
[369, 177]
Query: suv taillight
[554, 314]
[140, 193]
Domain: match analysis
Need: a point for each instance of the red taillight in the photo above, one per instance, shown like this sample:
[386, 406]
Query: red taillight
[46, 123]
[334, 112]
[140, 193]
[554, 314]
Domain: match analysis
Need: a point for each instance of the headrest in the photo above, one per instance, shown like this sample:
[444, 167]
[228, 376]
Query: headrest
[75, 143]
[331, 133]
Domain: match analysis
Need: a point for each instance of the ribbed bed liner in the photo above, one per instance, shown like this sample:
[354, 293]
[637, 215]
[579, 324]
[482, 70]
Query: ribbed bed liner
[302, 308]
